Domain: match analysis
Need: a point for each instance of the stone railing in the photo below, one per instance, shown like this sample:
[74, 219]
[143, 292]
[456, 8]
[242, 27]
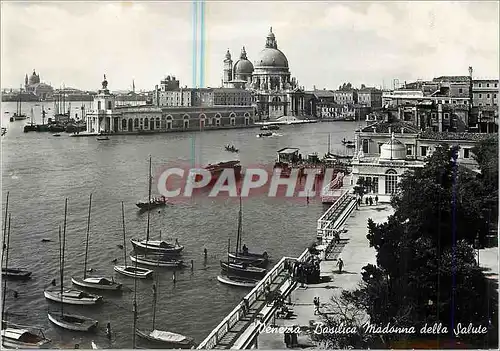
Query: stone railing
[326, 219]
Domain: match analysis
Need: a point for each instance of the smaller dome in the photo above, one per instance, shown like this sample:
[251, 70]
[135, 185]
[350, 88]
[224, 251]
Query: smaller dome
[34, 79]
[243, 67]
[393, 150]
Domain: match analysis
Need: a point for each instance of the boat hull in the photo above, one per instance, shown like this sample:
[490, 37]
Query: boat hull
[73, 322]
[15, 274]
[243, 283]
[11, 339]
[253, 259]
[56, 297]
[134, 272]
[145, 206]
[145, 335]
[145, 247]
[91, 285]
[237, 269]
[157, 262]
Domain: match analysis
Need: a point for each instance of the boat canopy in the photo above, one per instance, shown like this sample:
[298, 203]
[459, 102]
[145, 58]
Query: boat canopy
[97, 280]
[288, 154]
[167, 336]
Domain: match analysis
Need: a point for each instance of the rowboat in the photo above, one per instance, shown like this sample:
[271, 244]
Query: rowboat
[73, 321]
[238, 281]
[13, 338]
[15, 274]
[72, 297]
[134, 272]
[156, 261]
[157, 246]
[166, 338]
[99, 283]
[243, 269]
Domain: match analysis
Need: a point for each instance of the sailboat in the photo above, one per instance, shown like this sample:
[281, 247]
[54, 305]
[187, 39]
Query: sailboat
[166, 338]
[16, 338]
[11, 273]
[131, 271]
[68, 321]
[31, 127]
[240, 255]
[18, 115]
[151, 203]
[69, 296]
[99, 283]
[242, 269]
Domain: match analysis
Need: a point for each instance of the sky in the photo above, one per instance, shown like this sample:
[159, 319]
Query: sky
[326, 43]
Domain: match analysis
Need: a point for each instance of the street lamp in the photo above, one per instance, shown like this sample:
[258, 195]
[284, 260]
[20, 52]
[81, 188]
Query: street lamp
[476, 246]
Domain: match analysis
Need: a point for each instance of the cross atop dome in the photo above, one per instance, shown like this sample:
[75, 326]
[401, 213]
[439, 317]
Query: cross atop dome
[243, 55]
[228, 55]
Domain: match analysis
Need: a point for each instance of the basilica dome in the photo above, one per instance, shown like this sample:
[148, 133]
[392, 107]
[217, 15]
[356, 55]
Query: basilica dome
[271, 56]
[34, 78]
[393, 150]
[243, 65]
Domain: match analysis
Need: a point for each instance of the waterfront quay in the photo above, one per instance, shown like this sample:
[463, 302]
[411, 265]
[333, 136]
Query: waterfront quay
[240, 328]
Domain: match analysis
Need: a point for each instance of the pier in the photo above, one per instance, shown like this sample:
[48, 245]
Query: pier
[240, 328]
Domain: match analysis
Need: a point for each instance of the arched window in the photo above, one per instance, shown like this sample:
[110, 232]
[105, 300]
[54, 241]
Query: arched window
[157, 122]
[136, 123]
[146, 124]
[391, 181]
[124, 124]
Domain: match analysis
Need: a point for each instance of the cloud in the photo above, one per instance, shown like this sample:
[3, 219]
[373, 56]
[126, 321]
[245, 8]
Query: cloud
[326, 43]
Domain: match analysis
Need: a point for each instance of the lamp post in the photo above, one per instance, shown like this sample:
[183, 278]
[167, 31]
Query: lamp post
[476, 246]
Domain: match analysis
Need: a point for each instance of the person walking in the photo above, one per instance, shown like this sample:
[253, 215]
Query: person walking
[359, 201]
[316, 305]
[376, 199]
[340, 263]
[370, 199]
[366, 201]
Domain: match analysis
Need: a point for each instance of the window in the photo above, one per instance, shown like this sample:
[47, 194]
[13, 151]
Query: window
[423, 151]
[460, 91]
[98, 105]
[365, 145]
[109, 105]
[495, 85]
[409, 150]
[480, 85]
[375, 185]
[487, 85]
[480, 96]
[466, 153]
[446, 116]
[488, 96]
[494, 96]
[391, 181]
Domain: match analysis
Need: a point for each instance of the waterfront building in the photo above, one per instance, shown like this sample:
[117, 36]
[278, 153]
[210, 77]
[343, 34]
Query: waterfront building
[370, 97]
[345, 96]
[274, 92]
[33, 85]
[106, 117]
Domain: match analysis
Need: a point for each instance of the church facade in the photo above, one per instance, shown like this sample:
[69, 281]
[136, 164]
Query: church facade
[275, 93]
[33, 86]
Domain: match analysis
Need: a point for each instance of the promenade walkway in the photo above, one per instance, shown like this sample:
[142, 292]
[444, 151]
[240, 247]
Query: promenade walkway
[355, 252]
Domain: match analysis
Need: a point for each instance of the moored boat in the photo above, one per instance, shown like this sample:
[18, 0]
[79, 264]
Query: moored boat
[231, 148]
[72, 297]
[73, 321]
[157, 261]
[134, 272]
[56, 135]
[217, 169]
[243, 269]
[157, 202]
[15, 274]
[265, 134]
[102, 138]
[13, 338]
[166, 338]
[157, 246]
[237, 281]
[99, 283]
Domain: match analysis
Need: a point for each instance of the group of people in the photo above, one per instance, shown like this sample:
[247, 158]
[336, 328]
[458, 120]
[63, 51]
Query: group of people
[369, 201]
[304, 272]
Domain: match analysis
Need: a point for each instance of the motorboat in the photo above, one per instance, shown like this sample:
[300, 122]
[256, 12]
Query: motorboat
[217, 169]
[231, 148]
[265, 134]
[157, 261]
[72, 297]
[250, 258]
[157, 246]
[270, 127]
[134, 272]
[99, 283]
[243, 269]
[153, 203]
[13, 338]
[15, 274]
[237, 281]
[56, 135]
[73, 321]
[102, 138]
[168, 339]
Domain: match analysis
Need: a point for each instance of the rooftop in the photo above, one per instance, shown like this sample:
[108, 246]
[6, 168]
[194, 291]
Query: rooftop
[288, 150]
[383, 127]
[453, 136]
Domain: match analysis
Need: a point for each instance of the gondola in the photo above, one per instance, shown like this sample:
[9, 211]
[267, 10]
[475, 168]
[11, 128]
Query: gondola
[157, 246]
[13, 338]
[243, 269]
[267, 134]
[238, 281]
[15, 274]
[347, 142]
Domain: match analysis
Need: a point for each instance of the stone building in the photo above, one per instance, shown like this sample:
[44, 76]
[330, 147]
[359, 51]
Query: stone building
[106, 117]
[275, 93]
[370, 97]
[34, 86]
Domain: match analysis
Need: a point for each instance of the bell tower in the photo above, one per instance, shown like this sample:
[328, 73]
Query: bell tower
[228, 68]
[104, 100]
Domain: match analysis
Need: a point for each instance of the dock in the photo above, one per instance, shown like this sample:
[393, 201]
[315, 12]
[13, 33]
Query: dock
[240, 328]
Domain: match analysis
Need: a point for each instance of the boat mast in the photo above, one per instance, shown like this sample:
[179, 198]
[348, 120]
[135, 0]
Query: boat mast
[124, 242]
[328, 143]
[5, 223]
[155, 293]
[6, 266]
[63, 250]
[61, 270]
[238, 237]
[149, 200]
[87, 242]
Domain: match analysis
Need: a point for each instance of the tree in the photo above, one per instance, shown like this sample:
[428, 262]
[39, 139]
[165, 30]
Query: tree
[426, 270]
[363, 185]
